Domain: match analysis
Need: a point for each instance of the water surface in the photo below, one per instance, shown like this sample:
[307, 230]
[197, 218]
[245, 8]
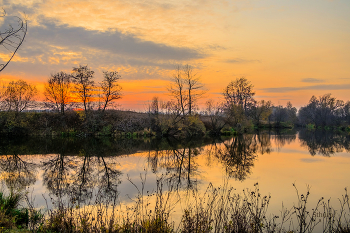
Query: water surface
[103, 168]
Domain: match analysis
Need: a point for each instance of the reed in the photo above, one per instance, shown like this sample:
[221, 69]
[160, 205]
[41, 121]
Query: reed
[218, 209]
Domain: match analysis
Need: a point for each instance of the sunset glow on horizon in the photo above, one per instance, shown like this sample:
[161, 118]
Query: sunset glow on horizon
[289, 50]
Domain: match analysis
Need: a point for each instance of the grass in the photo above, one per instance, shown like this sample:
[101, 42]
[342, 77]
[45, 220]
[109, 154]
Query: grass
[11, 215]
[218, 209]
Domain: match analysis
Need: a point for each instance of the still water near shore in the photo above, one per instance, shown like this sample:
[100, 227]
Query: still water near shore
[53, 169]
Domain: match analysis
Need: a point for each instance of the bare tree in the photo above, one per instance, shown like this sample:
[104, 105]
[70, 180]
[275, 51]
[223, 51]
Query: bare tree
[12, 37]
[111, 90]
[215, 111]
[84, 85]
[153, 112]
[194, 88]
[19, 95]
[154, 106]
[239, 92]
[292, 113]
[58, 91]
[2, 91]
[186, 88]
[177, 90]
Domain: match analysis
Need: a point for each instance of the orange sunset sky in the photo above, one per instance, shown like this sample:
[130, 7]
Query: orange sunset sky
[288, 49]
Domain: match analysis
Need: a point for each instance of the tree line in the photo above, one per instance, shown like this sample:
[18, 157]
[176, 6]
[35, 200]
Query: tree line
[237, 112]
[64, 91]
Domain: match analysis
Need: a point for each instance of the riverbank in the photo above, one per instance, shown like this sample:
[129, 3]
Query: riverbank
[129, 124]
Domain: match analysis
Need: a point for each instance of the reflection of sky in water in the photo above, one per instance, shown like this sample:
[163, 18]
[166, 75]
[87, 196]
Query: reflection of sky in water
[275, 171]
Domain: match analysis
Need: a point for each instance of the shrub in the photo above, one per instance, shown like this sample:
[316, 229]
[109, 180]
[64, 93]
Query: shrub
[10, 213]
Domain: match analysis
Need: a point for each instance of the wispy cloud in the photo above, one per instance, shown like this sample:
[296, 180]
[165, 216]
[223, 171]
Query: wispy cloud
[311, 160]
[312, 80]
[314, 87]
[239, 60]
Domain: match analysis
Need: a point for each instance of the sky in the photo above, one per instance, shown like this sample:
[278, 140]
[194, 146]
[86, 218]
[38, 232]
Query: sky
[288, 49]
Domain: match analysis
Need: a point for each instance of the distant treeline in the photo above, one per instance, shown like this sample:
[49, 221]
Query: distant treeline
[76, 105]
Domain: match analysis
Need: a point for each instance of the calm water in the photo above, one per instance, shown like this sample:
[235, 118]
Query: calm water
[53, 169]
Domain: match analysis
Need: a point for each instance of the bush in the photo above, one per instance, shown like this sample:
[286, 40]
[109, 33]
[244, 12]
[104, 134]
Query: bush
[195, 126]
[10, 213]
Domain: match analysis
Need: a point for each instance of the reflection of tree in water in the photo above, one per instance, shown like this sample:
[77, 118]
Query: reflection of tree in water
[281, 139]
[179, 164]
[85, 180]
[16, 172]
[263, 141]
[109, 176]
[80, 176]
[58, 172]
[324, 142]
[239, 153]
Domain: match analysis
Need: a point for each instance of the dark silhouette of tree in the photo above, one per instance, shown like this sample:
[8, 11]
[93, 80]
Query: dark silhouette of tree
[279, 115]
[239, 92]
[292, 113]
[19, 95]
[194, 88]
[215, 112]
[153, 111]
[12, 37]
[261, 111]
[234, 114]
[186, 88]
[111, 90]
[282, 114]
[346, 112]
[58, 91]
[177, 90]
[82, 77]
[323, 111]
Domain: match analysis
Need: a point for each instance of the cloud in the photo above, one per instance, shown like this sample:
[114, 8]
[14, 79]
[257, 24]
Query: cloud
[239, 60]
[111, 41]
[51, 48]
[311, 160]
[312, 80]
[176, 22]
[145, 92]
[314, 87]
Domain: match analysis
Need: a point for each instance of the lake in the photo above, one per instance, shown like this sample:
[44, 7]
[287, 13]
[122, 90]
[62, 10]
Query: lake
[106, 169]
